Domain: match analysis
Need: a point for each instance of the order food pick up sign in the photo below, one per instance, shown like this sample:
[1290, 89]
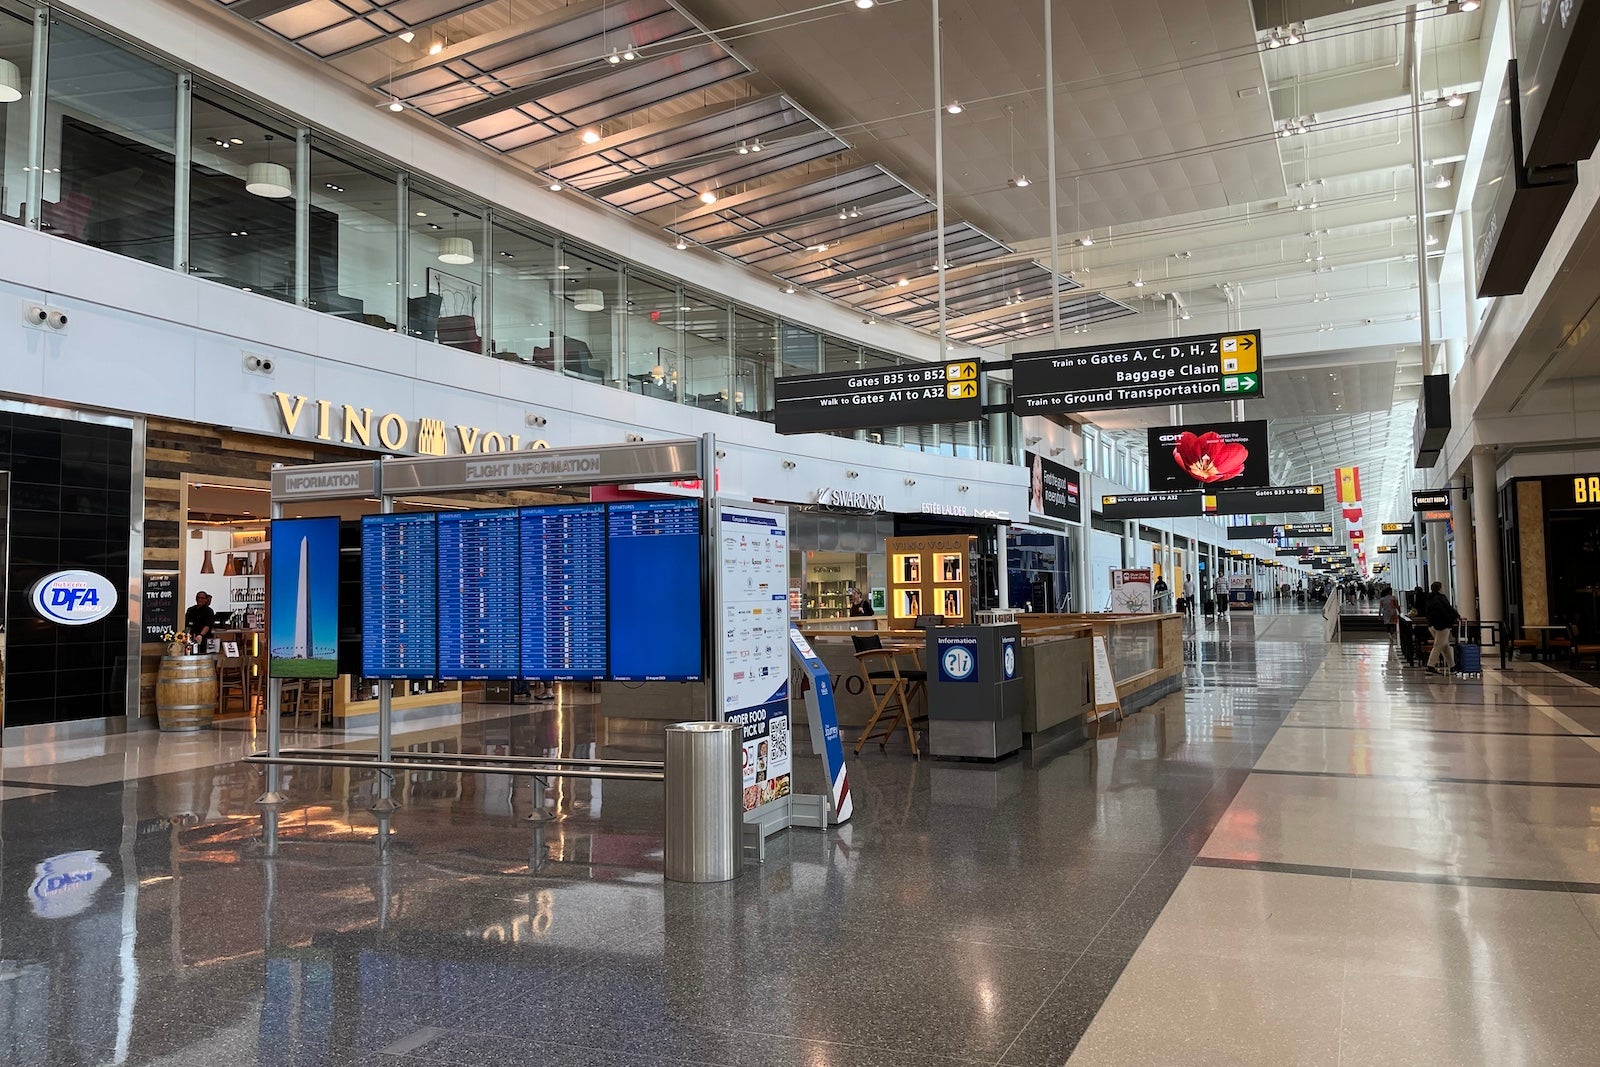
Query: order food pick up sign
[73, 598]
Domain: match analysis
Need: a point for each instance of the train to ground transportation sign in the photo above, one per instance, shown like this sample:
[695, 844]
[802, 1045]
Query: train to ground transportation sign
[1150, 373]
[906, 395]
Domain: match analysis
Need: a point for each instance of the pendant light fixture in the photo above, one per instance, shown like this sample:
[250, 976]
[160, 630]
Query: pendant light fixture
[589, 298]
[230, 568]
[1021, 180]
[456, 250]
[10, 82]
[269, 179]
[206, 566]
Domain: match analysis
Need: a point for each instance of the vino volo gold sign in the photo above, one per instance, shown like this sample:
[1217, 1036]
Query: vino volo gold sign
[392, 432]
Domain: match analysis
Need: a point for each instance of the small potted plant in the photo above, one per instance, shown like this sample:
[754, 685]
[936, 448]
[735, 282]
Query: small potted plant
[177, 642]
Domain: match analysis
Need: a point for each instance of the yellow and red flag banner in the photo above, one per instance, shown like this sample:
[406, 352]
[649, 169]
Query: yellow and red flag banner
[1348, 483]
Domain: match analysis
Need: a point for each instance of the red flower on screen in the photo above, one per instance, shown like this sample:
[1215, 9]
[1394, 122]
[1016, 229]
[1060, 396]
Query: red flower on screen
[1208, 458]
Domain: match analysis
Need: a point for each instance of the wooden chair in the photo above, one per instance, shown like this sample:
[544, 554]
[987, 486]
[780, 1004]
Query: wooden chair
[892, 691]
[1527, 644]
[315, 699]
[233, 679]
[1581, 648]
[1563, 643]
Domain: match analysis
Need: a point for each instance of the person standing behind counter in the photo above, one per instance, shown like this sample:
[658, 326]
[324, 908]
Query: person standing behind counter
[200, 620]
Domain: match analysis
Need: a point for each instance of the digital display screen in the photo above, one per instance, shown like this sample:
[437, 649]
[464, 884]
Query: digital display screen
[399, 596]
[480, 624]
[303, 599]
[654, 591]
[564, 592]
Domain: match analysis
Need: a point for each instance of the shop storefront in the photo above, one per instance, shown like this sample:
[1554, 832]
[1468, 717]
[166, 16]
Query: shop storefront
[833, 552]
[1550, 537]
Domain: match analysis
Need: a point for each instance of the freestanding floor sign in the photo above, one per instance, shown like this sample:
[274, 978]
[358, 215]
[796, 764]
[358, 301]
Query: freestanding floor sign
[824, 722]
[751, 663]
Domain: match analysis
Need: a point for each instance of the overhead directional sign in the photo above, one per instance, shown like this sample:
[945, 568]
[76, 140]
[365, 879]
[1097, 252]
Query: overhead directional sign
[1398, 529]
[1385, 550]
[891, 396]
[1270, 500]
[1292, 530]
[1150, 373]
[1430, 500]
[1151, 505]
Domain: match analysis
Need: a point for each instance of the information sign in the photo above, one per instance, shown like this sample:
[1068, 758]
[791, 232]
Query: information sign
[1277, 499]
[1388, 550]
[1149, 373]
[753, 656]
[958, 658]
[1151, 505]
[892, 396]
[1430, 500]
[1398, 529]
[480, 623]
[399, 596]
[653, 591]
[1290, 530]
[564, 592]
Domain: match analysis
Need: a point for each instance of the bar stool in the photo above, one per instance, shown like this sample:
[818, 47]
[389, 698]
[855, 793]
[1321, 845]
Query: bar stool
[233, 678]
[892, 690]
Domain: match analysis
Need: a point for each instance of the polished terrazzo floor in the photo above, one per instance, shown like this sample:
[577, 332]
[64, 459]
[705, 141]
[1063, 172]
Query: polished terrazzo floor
[1308, 856]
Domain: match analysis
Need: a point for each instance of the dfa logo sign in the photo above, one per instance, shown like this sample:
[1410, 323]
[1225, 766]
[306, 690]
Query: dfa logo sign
[73, 598]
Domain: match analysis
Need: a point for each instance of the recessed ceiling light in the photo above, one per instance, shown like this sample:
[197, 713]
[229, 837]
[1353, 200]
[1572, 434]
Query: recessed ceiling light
[1470, 5]
[590, 136]
[1021, 181]
[1442, 182]
[237, 140]
[864, 4]
[1138, 283]
[680, 244]
[555, 187]
[436, 47]
[1455, 100]
[708, 197]
[819, 248]
[507, 255]
[563, 266]
[954, 107]
[422, 214]
[904, 282]
[408, 36]
[1085, 241]
[789, 288]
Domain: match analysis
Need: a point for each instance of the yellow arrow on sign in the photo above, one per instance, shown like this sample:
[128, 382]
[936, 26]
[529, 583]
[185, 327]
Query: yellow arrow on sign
[961, 372]
[961, 390]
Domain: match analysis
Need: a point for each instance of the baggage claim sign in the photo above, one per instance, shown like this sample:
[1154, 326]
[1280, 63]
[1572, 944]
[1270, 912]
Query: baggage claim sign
[1180, 370]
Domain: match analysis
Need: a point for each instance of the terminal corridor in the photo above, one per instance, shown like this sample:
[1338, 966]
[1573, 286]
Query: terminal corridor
[1310, 856]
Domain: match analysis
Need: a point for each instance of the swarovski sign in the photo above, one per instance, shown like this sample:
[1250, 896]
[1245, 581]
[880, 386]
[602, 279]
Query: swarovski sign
[829, 497]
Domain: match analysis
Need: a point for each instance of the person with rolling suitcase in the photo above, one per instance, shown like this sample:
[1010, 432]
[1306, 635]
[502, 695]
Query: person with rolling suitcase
[1442, 618]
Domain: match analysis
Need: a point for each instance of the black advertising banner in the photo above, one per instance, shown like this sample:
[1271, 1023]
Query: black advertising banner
[1149, 373]
[160, 605]
[1198, 456]
[1291, 530]
[1431, 500]
[1398, 529]
[1053, 489]
[1151, 505]
[1278, 499]
[893, 396]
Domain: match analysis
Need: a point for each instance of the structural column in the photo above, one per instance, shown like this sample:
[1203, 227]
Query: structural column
[1466, 564]
[1486, 527]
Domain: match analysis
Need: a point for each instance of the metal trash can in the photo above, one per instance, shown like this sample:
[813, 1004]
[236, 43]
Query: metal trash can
[705, 801]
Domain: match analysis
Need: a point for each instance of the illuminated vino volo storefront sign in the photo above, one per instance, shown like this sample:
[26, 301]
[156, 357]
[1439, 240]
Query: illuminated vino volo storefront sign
[360, 427]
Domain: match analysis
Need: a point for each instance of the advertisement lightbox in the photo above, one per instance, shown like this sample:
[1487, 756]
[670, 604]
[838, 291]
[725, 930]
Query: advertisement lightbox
[1229, 455]
[1053, 490]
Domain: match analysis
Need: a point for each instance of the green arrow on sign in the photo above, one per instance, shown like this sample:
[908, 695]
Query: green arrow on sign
[1247, 383]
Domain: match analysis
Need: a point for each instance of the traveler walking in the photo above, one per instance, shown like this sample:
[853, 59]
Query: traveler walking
[1442, 618]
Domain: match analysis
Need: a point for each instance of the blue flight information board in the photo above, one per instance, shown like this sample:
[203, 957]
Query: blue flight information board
[654, 591]
[480, 622]
[399, 596]
[564, 592]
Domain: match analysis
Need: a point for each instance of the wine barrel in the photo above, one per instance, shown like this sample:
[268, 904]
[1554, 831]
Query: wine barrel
[186, 693]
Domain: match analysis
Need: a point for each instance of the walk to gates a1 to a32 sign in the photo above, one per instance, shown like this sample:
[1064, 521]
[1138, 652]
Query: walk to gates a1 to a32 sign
[1225, 366]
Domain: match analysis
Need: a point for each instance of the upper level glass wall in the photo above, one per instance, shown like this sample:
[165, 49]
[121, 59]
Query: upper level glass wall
[110, 141]
[16, 49]
[241, 196]
[137, 162]
[354, 243]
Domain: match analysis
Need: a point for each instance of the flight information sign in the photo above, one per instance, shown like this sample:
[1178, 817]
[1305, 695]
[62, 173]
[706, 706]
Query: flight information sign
[399, 596]
[1291, 530]
[564, 592]
[1149, 373]
[1151, 505]
[906, 395]
[480, 621]
[654, 592]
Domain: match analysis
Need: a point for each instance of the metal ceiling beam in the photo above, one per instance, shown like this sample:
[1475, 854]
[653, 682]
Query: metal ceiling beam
[416, 27]
[482, 42]
[667, 170]
[569, 147]
[1366, 90]
[261, 9]
[850, 246]
[587, 74]
[887, 196]
[784, 181]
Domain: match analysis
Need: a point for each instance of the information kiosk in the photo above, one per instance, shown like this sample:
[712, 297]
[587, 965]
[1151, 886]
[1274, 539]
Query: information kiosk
[681, 589]
[975, 691]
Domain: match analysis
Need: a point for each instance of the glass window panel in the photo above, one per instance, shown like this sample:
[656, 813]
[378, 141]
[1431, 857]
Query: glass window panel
[653, 365]
[16, 48]
[241, 196]
[353, 261]
[871, 360]
[800, 350]
[110, 134]
[590, 288]
[840, 355]
[525, 282]
[445, 271]
[755, 347]
[707, 365]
